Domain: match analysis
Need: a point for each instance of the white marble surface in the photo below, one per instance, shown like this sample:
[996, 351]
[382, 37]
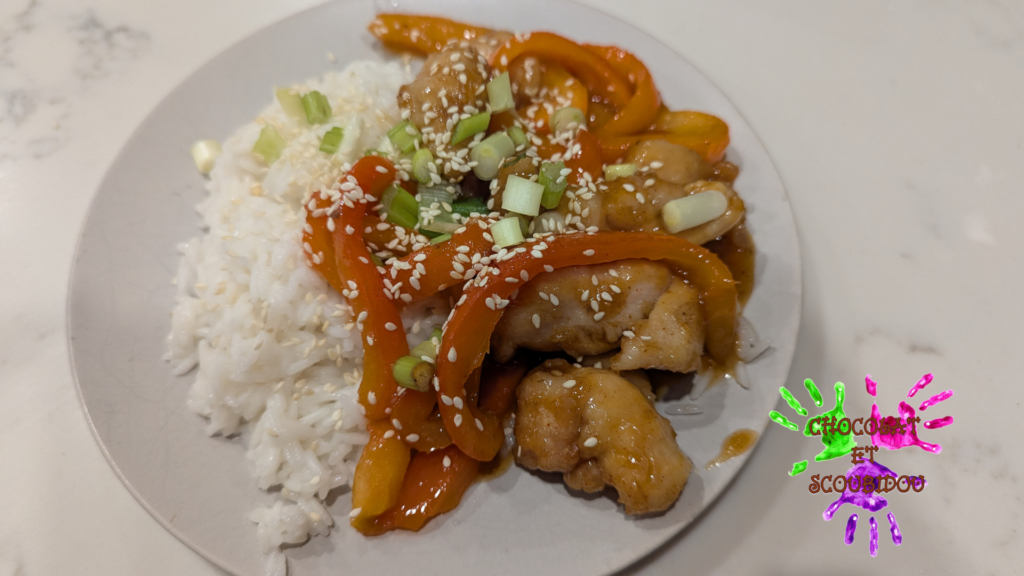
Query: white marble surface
[897, 128]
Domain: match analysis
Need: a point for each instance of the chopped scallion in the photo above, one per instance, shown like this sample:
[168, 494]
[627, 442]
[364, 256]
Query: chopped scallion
[471, 126]
[522, 196]
[413, 373]
[332, 140]
[204, 154]
[441, 238]
[567, 118]
[421, 162]
[507, 232]
[499, 94]
[291, 102]
[690, 211]
[316, 107]
[518, 136]
[489, 155]
[376, 260]
[613, 171]
[554, 183]
[467, 208]
[404, 136]
[401, 207]
[429, 346]
[269, 145]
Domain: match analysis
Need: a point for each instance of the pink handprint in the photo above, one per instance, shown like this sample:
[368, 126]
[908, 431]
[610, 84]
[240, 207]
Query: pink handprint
[899, 435]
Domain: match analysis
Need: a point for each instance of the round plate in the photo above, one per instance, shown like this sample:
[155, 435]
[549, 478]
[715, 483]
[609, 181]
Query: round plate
[201, 489]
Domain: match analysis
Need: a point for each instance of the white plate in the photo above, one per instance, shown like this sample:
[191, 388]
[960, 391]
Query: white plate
[201, 488]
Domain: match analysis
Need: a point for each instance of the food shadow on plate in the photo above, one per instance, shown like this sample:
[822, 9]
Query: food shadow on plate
[673, 392]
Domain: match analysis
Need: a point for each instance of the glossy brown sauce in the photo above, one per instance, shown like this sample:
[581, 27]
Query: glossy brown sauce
[736, 250]
[495, 468]
[734, 444]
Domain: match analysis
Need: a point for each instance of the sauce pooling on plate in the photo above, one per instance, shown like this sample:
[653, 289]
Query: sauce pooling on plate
[734, 445]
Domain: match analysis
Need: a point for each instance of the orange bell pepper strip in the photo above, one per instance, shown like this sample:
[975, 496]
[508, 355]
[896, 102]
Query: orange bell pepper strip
[598, 76]
[478, 432]
[430, 488]
[585, 161]
[364, 287]
[420, 34]
[642, 108]
[705, 134]
[436, 262]
[318, 241]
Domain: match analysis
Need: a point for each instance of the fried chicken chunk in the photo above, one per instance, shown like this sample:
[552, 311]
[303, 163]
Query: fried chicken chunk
[638, 305]
[451, 86]
[598, 429]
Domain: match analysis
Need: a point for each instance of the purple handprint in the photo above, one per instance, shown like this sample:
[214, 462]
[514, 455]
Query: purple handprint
[869, 475]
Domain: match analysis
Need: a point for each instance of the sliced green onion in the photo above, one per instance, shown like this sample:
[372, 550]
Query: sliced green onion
[291, 102]
[567, 118]
[524, 224]
[332, 140]
[372, 152]
[430, 234]
[404, 136]
[518, 136]
[689, 211]
[413, 373]
[467, 208]
[400, 206]
[428, 347]
[489, 155]
[441, 238]
[430, 194]
[421, 162]
[613, 171]
[471, 126]
[316, 107]
[554, 183]
[376, 260]
[507, 232]
[269, 145]
[499, 94]
[522, 196]
[205, 154]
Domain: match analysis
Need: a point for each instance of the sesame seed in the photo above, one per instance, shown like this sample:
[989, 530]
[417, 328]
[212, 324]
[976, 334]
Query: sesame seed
[452, 355]
[457, 401]
[645, 338]
[412, 438]
[655, 165]
[568, 383]
[315, 480]
[606, 296]
[446, 399]
[590, 442]
[536, 320]
[588, 252]
[390, 326]
[389, 434]
[524, 275]
[594, 305]
[593, 279]
[548, 268]
[371, 398]
[382, 170]
[554, 300]
[458, 420]
[479, 424]
[355, 513]
[511, 280]
[447, 462]
[585, 295]
[628, 334]
[397, 424]
[598, 316]
[616, 289]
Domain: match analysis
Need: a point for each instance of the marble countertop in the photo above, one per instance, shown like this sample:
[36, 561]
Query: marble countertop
[897, 128]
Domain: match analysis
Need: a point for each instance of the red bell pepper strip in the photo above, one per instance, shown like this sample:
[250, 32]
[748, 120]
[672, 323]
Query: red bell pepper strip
[587, 160]
[599, 77]
[642, 108]
[420, 34]
[478, 432]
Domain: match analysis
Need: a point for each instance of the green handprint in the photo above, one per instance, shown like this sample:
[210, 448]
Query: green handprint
[836, 443]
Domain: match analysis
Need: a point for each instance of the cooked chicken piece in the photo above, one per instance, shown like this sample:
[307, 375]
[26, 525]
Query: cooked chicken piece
[565, 310]
[678, 164]
[557, 310]
[450, 86]
[488, 43]
[599, 430]
[670, 338]
[634, 203]
[637, 377]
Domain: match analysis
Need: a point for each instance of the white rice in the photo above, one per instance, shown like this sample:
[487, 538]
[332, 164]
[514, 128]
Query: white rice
[275, 347]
